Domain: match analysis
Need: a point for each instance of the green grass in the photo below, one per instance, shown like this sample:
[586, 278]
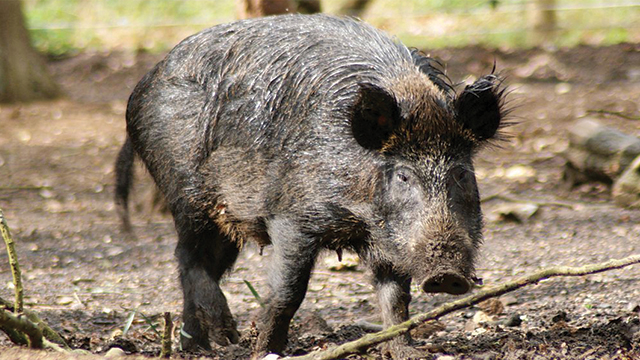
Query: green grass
[62, 26]
[59, 26]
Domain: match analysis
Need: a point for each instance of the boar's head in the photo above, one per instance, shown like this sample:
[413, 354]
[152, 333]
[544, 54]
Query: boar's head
[426, 194]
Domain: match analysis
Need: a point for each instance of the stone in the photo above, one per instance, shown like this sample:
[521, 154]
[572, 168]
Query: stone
[626, 189]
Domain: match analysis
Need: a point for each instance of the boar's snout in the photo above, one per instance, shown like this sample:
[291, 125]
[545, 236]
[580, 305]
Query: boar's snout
[447, 282]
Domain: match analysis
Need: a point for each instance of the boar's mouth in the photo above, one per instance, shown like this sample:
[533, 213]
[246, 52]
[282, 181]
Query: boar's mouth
[444, 266]
[442, 257]
[449, 282]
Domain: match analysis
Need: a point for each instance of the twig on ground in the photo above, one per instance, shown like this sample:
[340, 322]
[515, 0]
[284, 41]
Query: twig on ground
[47, 332]
[13, 263]
[22, 324]
[535, 202]
[21, 188]
[127, 324]
[14, 335]
[166, 336]
[613, 113]
[482, 295]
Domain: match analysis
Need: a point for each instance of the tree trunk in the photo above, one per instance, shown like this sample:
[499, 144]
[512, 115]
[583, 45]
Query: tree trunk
[543, 21]
[354, 7]
[257, 8]
[23, 73]
[309, 6]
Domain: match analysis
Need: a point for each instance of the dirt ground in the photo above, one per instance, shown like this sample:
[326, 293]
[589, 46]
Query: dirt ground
[85, 279]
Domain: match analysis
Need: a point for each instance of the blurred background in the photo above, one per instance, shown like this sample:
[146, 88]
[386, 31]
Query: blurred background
[62, 26]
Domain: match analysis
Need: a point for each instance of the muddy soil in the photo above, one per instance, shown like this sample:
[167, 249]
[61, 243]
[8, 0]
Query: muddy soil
[85, 278]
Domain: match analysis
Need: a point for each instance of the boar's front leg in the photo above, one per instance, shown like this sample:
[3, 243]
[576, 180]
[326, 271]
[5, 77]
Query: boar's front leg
[293, 259]
[394, 295]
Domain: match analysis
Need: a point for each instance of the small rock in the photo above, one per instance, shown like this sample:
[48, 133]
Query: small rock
[469, 314]
[116, 333]
[518, 212]
[482, 317]
[478, 319]
[510, 300]
[513, 321]
[24, 136]
[479, 331]
[562, 88]
[271, 357]
[445, 357]
[520, 173]
[46, 194]
[490, 355]
[115, 251]
[65, 300]
[626, 190]
[123, 344]
[114, 352]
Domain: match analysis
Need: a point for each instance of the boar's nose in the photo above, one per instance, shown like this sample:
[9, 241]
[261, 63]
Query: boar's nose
[447, 282]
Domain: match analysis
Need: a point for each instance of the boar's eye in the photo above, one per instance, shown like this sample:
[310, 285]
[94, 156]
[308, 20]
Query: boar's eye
[402, 188]
[403, 175]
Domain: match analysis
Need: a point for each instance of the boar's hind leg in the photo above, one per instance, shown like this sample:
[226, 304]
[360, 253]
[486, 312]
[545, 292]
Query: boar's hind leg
[293, 259]
[203, 258]
[394, 295]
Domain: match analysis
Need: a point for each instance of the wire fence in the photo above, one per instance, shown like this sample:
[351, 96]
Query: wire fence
[61, 25]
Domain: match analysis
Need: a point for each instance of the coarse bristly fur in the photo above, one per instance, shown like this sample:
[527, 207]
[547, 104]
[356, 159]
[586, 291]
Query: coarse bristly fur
[310, 133]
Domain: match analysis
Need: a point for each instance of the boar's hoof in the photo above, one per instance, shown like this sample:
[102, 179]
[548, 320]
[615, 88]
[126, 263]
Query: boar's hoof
[446, 283]
[226, 333]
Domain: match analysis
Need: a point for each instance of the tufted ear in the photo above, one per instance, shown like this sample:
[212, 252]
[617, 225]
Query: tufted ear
[480, 107]
[375, 115]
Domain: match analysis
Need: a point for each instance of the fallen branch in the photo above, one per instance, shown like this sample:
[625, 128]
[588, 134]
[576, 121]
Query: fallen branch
[13, 263]
[366, 341]
[20, 188]
[38, 334]
[14, 335]
[538, 203]
[166, 336]
[47, 332]
[14, 320]
[613, 113]
[22, 324]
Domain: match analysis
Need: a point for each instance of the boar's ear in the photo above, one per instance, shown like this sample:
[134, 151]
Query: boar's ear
[479, 107]
[374, 117]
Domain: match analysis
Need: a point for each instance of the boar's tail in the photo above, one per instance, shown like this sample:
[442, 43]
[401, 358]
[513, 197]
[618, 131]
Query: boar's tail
[124, 181]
